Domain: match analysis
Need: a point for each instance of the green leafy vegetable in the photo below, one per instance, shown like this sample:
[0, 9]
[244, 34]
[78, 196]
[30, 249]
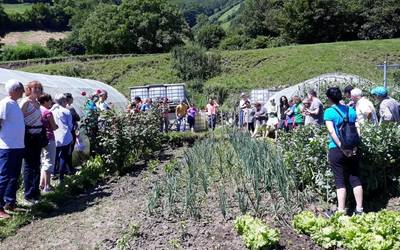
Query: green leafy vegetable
[256, 234]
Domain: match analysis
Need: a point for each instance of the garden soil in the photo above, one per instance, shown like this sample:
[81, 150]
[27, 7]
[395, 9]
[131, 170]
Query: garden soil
[104, 218]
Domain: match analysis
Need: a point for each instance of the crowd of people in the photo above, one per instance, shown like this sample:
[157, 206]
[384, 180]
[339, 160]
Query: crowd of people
[37, 138]
[185, 112]
[296, 112]
[38, 133]
[339, 118]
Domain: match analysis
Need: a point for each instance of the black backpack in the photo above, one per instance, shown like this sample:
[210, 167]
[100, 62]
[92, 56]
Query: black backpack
[348, 134]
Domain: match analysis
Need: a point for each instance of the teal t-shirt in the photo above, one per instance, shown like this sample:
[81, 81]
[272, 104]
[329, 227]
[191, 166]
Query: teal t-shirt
[331, 114]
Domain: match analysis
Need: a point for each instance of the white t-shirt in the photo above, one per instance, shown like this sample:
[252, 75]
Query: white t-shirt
[363, 107]
[63, 119]
[12, 131]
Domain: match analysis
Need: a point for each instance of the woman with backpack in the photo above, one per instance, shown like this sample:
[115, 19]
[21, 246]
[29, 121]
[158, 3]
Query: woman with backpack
[343, 141]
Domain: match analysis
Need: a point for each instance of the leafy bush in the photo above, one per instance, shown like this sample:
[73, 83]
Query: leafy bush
[235, 42]
[256, 234]
[23, 51]
[210, 35]
[40, 17]
[193, 62]
[305, 155]
[377, 231]
[122, 139]
[135, 26]
[66, 46]
[262, 42]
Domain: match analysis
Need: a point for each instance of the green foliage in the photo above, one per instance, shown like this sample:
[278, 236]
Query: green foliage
[67, 46]
[22, 51]
[210, 35]
[3, 21]
[235, 42]
[132, 232]
[375, 231]
[305, 154]
[231, 163]
[136, 26]
[179, 139]
[193, 62]
[240, 70]
[124, 138]
[382, 19]
[256, 234]
[259, 18]
[40, 16]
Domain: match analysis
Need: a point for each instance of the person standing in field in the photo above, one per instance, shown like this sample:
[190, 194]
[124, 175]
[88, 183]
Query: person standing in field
[191, 116]
[283, 107]
[63, 135]
[365, 109]
[75, 120]
[389, 108]
[164, 111]
[315, 113]
[33, 140]
[347, 96]
[211, 110]
[242, 106]
[180, 113]
[344, 162]
[12, 131]
[297, 111]
[48, 157]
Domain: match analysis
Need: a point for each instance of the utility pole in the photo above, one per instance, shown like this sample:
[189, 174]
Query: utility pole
[385, 68]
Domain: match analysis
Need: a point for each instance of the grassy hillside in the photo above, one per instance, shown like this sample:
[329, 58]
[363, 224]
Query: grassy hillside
[243, 70]
[16, 8]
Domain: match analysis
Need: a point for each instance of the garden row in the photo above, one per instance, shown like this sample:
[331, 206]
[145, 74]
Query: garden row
[121, 141]
[277, 180]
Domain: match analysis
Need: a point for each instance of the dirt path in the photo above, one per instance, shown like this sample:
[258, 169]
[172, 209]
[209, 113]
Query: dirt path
[101, 220]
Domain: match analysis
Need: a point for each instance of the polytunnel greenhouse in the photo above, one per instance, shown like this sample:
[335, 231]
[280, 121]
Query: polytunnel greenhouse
[319, 82]
[61, 84]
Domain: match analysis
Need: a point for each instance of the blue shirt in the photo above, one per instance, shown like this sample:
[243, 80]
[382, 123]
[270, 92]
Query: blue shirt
[145, 107]
[331, 114]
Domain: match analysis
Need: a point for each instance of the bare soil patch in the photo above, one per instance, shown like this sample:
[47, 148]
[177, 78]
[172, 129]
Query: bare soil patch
[40, 37]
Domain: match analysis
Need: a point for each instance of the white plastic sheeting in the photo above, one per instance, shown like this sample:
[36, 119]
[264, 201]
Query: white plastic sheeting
[61, 84]
[318, 81]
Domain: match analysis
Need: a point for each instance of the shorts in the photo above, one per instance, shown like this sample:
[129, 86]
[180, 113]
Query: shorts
[48, 156]
[344, 168]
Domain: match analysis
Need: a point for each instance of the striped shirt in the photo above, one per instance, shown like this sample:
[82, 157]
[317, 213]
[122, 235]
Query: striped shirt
[32, 116]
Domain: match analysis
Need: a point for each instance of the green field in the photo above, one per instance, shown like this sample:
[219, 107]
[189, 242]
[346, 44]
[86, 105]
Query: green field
[16, 8]
[243, 70]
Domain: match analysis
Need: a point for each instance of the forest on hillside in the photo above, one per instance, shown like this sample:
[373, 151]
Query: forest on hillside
[159, 25]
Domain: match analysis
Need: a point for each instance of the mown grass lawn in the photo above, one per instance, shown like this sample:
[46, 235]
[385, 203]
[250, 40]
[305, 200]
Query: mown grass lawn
[244, 70]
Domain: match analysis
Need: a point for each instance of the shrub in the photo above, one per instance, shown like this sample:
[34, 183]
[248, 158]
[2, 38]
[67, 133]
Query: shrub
[305, 155]
[23, 51]
[193, 62]
[262, 42]
[66, 46]
[122, 139]
[210, 35]
[235, 42]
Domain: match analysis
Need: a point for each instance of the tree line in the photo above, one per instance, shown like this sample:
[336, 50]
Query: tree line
[154, 26]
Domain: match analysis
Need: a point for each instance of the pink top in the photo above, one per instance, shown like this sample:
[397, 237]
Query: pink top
[211, 109]
[46, 115]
